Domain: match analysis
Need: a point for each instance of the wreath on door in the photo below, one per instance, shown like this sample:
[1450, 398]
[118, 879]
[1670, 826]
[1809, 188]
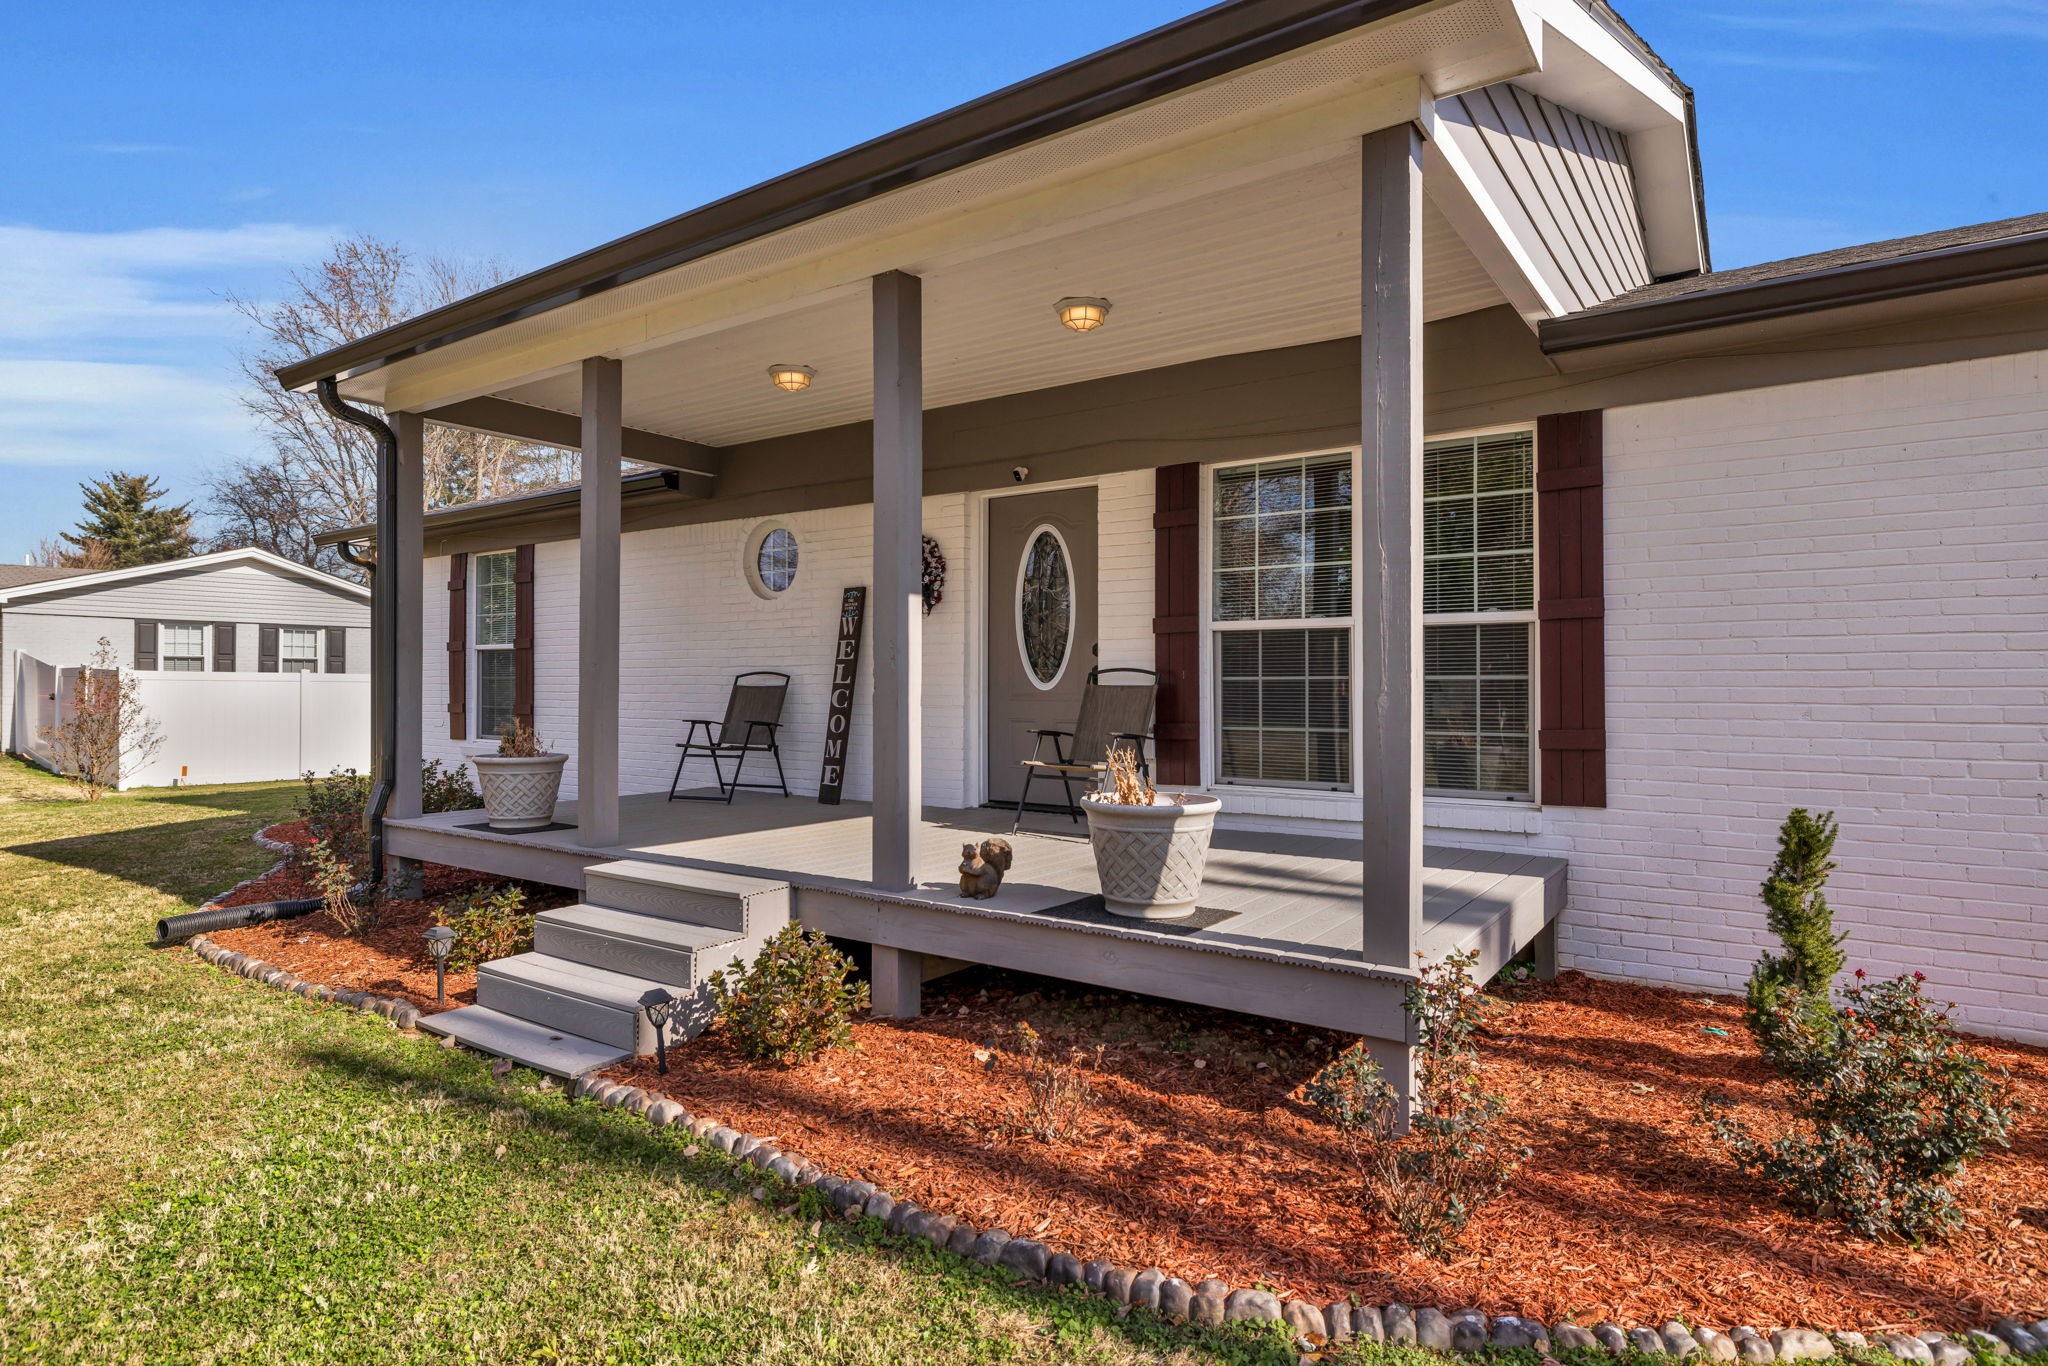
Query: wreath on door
[934, 575]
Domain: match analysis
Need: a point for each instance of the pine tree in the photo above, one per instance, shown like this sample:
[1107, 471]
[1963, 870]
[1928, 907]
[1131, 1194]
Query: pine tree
[1797, 911]
[127, 522]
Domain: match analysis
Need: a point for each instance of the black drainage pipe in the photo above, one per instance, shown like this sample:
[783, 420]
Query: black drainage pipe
[384, 700]
[176, 929]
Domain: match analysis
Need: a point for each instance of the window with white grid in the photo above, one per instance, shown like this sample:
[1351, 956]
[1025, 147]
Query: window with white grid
[181, 647]
[1479, 614]
[298, 649]
[1280, 564]
[497, 626]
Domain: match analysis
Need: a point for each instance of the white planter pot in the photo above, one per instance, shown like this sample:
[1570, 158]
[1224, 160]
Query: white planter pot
[1150, 858]
[519, 794]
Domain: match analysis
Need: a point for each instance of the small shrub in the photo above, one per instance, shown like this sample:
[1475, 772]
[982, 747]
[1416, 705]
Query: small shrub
[1431, 1182]
[1893, 1104]
[336, 873]
[1797, 912]
[794, 1002]
[1057, 1097]
[518, 741]
[447, 789]
[104, 729]
[489, 923]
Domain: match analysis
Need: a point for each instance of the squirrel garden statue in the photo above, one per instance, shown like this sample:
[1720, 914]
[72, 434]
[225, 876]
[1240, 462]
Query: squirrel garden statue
[982, 867]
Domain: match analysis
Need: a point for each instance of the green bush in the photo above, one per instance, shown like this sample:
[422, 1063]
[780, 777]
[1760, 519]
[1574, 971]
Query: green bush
[448, 789]
[1892, 1102]
[1431, 1182]
[489, 923]
[1797, 912]
[794, 1002]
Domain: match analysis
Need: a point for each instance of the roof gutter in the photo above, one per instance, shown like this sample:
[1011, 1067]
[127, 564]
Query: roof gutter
[1958, 267]
[1214, 42]
[443, 520]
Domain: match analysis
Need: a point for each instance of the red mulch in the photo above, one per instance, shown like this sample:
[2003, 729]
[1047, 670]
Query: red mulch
[1200, 1156]
[392, 959]
[1626, 1208]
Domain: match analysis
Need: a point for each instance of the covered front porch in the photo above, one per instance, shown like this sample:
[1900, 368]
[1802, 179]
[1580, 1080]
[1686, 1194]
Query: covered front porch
[1277, 934]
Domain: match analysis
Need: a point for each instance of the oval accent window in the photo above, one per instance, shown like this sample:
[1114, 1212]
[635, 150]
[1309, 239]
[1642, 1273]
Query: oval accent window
[775, 561]
[1045, 607]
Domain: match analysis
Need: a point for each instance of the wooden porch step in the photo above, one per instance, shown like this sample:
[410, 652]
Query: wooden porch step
[669, 951]
[524, 1042]
[572, 998]
[696, 896]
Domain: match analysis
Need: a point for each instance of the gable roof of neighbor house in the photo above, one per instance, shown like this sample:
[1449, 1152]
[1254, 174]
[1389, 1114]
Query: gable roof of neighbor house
[22, 575]
[87, 581]
[1978, 254]
[1175, 57]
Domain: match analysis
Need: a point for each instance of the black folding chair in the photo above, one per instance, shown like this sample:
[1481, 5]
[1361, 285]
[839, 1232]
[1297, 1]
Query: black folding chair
[1112, 715]
[753, 715]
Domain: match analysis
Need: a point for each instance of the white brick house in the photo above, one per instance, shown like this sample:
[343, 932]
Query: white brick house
[1505, 570]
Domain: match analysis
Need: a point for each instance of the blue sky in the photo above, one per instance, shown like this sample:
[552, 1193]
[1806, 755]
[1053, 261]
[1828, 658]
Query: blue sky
[153, 158]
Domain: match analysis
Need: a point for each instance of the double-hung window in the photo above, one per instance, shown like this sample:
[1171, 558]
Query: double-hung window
[298, 649]
[181, 647]
[1479, 614]
[1280, 613]
[495, 602]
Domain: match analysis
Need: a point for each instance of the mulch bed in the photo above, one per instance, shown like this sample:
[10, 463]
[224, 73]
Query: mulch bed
[1202, 1159]
[392, 959]
[1200, 1156]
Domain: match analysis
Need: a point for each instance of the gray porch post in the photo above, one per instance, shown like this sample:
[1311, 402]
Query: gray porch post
[597, 620]
[1389, 577]
[897, 611]
[408, 553]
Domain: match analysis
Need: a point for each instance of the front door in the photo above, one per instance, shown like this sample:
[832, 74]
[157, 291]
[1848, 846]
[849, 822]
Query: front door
[1041, 627]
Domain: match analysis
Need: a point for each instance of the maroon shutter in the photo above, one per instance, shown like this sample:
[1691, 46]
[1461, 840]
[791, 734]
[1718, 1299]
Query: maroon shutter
[145, 645]
[224, 647]
[522, 635]
[458, 647]
[1176, 629]
[266, 649]
[1571, 607]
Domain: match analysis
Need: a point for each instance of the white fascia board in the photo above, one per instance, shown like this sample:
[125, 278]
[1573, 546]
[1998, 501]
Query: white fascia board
[215, 560]
[1462, 197]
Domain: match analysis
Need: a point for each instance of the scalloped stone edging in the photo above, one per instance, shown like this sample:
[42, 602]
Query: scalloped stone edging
[262, 840]
[1213, 1302]
[402, 1014]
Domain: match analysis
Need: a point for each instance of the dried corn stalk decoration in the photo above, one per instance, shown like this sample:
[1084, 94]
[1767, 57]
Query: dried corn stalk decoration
[1127, 787]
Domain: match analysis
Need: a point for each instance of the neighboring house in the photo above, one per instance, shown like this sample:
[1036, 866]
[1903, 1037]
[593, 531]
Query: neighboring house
[194, 622]
[1508, 572]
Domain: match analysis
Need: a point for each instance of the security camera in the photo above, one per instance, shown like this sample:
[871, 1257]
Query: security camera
[1020, 474]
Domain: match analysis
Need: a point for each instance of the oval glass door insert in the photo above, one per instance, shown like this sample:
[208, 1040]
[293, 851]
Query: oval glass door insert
[1045, 607]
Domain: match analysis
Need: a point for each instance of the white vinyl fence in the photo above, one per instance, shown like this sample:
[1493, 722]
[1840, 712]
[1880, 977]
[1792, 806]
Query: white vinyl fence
[217, 727]
[252, 727]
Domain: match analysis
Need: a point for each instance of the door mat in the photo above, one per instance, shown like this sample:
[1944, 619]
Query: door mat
[537, 830]
[1091, 910]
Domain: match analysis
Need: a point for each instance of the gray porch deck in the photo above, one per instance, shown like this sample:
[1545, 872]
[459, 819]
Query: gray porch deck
[1289, 947]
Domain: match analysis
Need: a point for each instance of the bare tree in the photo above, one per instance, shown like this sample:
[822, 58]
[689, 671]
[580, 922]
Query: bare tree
[321, 472]
[105, 729]
[54, 554]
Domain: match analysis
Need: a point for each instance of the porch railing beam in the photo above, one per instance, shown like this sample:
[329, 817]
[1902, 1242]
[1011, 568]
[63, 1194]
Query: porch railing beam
[597, 620]
[897, 611]
[1389, 577]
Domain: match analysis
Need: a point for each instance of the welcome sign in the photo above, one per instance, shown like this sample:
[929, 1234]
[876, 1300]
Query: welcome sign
[853, 606]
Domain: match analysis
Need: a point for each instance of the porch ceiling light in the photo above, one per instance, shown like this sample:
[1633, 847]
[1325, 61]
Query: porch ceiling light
[792, 378]
[1082, 315]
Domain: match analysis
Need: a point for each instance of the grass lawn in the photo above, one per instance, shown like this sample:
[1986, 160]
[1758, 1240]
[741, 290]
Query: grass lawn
[197, 1168]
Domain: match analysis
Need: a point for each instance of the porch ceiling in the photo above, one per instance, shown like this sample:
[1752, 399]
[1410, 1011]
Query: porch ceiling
[1217, 270]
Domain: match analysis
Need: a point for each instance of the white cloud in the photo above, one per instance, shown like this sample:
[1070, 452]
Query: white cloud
[1947, 18]
[130, 288]
[98, 413]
